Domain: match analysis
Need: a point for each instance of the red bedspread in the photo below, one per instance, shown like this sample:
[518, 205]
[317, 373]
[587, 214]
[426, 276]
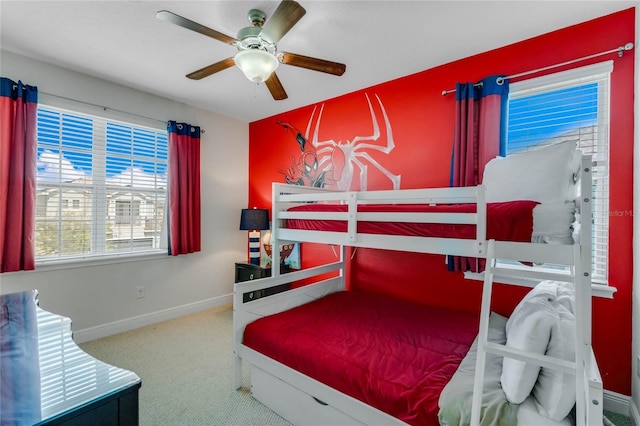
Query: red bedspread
[393, 355]
[509, 221]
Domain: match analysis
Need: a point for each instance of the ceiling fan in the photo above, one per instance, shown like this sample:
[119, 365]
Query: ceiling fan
[257, 53]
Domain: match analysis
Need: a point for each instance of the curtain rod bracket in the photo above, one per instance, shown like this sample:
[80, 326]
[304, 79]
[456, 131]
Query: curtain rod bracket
[621, 49]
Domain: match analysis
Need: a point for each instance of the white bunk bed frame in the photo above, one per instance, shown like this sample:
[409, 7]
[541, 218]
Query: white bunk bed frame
[303, 400]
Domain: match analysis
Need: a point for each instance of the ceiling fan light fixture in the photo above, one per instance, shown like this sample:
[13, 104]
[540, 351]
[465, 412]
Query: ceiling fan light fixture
[256, 64]
[257, 55]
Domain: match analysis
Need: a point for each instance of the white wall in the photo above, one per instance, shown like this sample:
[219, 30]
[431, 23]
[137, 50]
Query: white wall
[101, 300]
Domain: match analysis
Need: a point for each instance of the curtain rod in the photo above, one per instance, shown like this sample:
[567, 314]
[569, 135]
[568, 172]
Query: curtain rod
[620, 51]
[104, 108]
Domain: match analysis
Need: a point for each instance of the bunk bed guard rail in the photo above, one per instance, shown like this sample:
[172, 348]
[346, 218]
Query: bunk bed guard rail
[285, 197]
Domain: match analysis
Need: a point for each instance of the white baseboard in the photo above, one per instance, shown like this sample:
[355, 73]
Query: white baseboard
[635, 415]
[92, 333]
[616, 402]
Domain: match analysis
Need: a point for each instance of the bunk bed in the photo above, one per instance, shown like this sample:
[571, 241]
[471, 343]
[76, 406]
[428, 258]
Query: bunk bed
[323, 355]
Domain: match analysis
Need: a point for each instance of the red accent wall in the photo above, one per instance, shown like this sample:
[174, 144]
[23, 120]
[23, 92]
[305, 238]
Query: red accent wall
[422, 123]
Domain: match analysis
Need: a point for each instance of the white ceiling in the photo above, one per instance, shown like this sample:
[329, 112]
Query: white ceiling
[123, 42]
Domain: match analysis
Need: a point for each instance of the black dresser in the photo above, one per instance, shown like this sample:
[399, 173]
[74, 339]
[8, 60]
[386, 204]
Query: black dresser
[247, 271]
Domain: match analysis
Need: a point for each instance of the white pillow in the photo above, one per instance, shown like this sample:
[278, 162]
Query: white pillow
[528, 414]
[546, 175]
[552, 223]
[529, 329]
[542, 323]
[557, 292]
[555, 391]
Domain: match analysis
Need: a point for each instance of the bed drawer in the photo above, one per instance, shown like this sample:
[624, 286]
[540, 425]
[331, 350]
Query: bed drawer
[294, 405]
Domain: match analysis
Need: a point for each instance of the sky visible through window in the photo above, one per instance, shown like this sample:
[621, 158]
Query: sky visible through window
[66, 150]
[538, 118]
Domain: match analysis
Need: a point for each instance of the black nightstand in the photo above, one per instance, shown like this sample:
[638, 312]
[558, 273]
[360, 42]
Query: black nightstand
[248, 271]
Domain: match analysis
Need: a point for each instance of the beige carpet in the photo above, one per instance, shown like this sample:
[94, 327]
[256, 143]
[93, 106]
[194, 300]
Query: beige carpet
[185, 366]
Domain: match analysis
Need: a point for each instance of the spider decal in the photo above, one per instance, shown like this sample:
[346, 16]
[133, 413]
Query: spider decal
[333, 164]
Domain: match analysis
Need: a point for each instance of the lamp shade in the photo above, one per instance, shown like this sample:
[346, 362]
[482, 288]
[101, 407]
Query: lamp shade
[257, 65]
[254, 219]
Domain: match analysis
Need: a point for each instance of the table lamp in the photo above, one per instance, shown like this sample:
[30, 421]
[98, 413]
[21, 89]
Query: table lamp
[254, 220]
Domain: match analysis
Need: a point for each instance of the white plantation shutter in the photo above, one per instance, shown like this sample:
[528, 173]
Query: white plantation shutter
[101, 185]
[568, 105]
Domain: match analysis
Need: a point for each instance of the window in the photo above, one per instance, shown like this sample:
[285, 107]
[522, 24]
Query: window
[127, 211]
[95, 176]
[567, 105]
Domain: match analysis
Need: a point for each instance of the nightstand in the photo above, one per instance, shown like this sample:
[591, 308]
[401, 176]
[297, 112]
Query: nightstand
[247, 272]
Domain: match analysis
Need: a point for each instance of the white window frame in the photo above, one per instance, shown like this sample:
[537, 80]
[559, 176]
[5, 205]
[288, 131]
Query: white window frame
[599, 72]
[99, 226]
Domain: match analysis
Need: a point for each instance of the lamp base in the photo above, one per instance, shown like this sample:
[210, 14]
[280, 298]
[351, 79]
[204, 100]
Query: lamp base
[254, 247]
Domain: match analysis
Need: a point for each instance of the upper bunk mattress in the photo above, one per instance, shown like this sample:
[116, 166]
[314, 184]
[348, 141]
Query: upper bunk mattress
[506, 221]
[393, 355]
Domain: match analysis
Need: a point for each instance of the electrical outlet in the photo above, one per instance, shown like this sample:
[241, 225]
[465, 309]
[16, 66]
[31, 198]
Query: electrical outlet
[139, 292]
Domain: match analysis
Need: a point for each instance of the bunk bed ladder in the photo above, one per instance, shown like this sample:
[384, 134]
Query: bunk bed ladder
[588, 383]
[484, 346]
[483, 334]
[589, 389]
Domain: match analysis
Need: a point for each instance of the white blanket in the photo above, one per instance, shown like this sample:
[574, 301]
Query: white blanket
[455, 399]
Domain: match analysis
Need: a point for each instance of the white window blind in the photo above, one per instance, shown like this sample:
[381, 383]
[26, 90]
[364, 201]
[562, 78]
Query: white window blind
[569, 105]
[101, 185]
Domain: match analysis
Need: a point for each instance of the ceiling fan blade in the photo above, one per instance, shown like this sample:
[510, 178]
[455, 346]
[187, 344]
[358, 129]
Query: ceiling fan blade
[315, 64]
[275, 87]
[212, 69]
[171, 17]
[284, 18]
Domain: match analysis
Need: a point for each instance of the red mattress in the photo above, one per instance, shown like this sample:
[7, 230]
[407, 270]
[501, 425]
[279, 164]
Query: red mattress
[508, 221]
[393, 355]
